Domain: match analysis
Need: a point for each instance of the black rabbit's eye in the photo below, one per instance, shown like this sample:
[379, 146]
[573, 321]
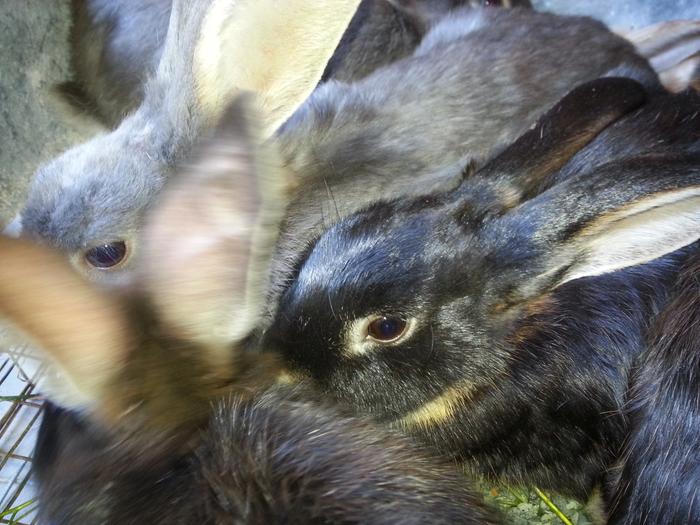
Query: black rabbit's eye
[386, 329]
[107, 255]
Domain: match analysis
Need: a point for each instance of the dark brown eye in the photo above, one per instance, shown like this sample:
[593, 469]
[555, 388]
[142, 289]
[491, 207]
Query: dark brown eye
[106, 256]
[386, 329]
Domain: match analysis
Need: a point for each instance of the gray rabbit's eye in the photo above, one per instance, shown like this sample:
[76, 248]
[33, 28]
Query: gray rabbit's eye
[105, 256]
[386, 329]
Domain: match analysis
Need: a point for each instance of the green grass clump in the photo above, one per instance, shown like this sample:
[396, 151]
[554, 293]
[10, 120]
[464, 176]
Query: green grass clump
[18, 512]
[531, 506]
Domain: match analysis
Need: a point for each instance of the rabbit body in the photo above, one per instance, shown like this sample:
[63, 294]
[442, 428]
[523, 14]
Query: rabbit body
[658, 461]
[278, 458]
[477, 81]
[117, 45]
[503, 321]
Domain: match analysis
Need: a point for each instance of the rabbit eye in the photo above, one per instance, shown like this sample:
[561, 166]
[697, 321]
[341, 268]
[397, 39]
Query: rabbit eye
[386, 329]
[107, 255]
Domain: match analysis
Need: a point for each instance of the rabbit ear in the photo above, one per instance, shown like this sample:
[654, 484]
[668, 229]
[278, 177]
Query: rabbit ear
[207, 244]
[673, 50]
[646, 229]
[524, 168]
[277, 50]
[626, 213]
[81, 329]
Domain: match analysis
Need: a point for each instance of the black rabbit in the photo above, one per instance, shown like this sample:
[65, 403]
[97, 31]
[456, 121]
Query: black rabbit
[503, 321]
[660, 462]
[176, 426]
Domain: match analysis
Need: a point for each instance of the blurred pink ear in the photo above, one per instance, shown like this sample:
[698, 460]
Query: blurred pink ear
[206, 245]
[82, 330]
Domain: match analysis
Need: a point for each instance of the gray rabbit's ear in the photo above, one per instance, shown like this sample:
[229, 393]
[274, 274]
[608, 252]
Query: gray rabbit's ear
[277, 50]
[526, 167]
[207, 244]
[84, 332]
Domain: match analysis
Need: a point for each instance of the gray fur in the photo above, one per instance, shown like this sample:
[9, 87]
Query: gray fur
[480, 78]
[116, 47]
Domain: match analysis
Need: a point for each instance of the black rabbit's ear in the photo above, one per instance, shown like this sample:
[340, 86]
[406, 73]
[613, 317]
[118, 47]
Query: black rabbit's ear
[641, 231]
[524, 168]
[624, 214]
[206, 246]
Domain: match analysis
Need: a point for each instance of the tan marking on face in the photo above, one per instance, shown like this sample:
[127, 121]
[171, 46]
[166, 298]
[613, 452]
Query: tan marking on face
[440, 409]
[289, 377]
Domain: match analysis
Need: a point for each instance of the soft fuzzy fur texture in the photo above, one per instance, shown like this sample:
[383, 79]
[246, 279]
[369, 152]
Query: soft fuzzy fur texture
[519, 356]
[660, 460]
[401, 130]
[175, 427]
[279, 458]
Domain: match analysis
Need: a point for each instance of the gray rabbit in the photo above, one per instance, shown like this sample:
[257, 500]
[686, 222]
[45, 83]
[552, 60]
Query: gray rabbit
[478, 79]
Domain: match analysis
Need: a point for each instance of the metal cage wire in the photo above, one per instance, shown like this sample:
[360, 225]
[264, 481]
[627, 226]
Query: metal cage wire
[20, 411]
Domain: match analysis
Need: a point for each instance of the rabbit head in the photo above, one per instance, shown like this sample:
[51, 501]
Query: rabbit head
[192, 345]
[357, 141]
[444, 314]
[176, 422]
[90, 201]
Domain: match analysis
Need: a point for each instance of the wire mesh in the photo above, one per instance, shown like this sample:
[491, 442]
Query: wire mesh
[20, 411]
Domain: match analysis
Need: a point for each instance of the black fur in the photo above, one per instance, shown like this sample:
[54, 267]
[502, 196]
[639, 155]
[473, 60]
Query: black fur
[535, 375]
[661, 462]
[280, 458]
